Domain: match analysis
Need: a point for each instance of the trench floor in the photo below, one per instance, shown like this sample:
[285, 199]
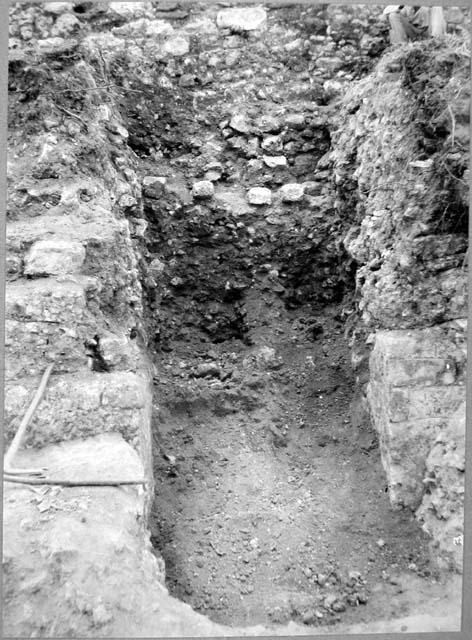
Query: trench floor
[271, 501]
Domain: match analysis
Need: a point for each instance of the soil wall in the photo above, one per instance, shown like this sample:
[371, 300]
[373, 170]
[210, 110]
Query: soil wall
[400, 165]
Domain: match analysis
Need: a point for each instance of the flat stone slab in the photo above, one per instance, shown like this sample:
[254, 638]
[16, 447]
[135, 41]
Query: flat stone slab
[31, 346]
[46, 300]
[416, 383]
[47, 320]
[242, 18]
[54, 257]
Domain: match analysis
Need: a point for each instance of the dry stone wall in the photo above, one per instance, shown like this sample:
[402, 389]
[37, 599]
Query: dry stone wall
[401, 175]
[73, 299]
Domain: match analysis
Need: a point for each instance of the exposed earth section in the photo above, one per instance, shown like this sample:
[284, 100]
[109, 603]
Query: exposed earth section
[270, 505]
[212, 240]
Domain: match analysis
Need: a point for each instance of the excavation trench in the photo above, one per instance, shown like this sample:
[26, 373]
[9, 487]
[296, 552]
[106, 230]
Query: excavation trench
[270, 499]
[200, 185]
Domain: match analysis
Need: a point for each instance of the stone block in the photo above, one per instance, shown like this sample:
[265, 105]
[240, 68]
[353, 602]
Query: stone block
[259, 196]
[118, 351]
[411, 350]
[130, 9]
[46, 300]
[54, 257]
[81, 405]
[415, 386]
[65, 25]
[292, 192]
[426, 402]
[422, 372]
[176, 46]
[56, 8]
[273, 144]
[275, 161]
[442, 509]
[203, 189]
[31, 346]
[242, 18]
[240, 123]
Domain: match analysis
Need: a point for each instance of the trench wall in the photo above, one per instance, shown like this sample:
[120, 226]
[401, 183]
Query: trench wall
[77, 561]
[401, 175]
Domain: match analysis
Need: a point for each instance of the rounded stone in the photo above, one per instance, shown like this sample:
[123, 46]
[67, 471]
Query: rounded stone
[176, 46]
[292, 192]
[203, 189]
[275, 161]
[259, 196]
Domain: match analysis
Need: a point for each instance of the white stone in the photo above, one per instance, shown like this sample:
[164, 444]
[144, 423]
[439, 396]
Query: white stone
[139, 228]
[259, 196]
[54, 257]
[275, 161]
[293, 45]
[49, 44]
[239, 123]
[127, 201]
[149, 181]
[129, 9]
[65, 25]
[57, 7]
[176, 46]
[269, 124]
[272, 144]
[203, 189]
[422, 164]
[295, 120]
[292, 192]
[333, 88]
[242, 18]
[114, 348]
